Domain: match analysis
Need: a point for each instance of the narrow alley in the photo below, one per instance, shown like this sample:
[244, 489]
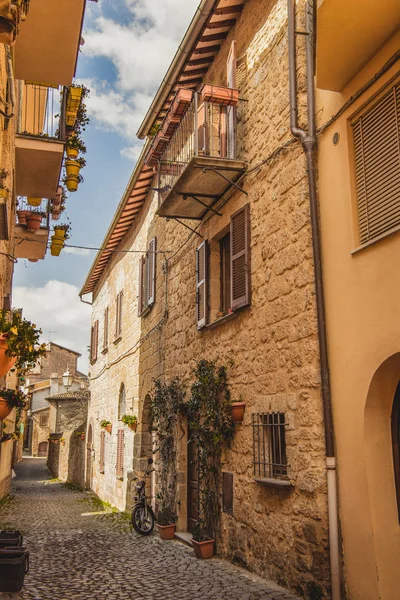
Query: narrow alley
[79, 550]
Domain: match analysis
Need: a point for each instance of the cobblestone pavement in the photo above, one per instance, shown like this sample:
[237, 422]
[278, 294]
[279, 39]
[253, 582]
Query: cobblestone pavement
[79, 550]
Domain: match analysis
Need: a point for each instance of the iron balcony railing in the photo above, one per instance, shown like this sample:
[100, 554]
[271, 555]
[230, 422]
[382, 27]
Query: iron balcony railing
[42, 111]
[206, 129]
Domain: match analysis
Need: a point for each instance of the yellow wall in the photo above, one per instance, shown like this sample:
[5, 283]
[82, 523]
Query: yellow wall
[362, 300]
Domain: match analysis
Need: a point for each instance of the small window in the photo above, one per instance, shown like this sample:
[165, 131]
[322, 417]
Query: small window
[227, 493]
[121, 402]
[44, 420]
[102, 450]
[120, 454]
[377, 167]
[269, 445]
[147, 278]
[105, 336]
[118, 315]
[94, 342]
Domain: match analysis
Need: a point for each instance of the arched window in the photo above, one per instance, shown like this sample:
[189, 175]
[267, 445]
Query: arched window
[396, 442]
[121, 402]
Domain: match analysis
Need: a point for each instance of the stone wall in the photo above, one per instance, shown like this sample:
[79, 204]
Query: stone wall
[57, 360]
[39, 433]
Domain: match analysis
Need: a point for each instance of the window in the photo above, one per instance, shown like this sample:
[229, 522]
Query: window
[396, 443]
[94, 342]
[269, 445]
[44, 420]
[120, 454]
[121, 402]
[118, 315]
[147, 278]
[227, 493]
[105, 336]
[377, 166]
[223, 270]
[102, 450]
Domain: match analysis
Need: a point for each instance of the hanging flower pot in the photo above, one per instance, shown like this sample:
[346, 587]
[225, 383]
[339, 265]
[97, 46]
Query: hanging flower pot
[34, 201]
[238, 411]
[33, 221]
[3, 193]
[4, 409]
[10, 399]
[72, 153]
[60, 232]
[21, 214]
[72, 167]
[72, 182]
[57, 244]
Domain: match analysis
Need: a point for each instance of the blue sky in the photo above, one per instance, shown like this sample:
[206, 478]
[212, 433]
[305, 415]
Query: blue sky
[128, 47]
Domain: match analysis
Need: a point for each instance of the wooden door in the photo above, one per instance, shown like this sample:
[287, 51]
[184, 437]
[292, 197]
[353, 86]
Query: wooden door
[42, 450]
[193, 486]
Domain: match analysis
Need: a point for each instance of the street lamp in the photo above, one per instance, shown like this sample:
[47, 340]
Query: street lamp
[67, 379]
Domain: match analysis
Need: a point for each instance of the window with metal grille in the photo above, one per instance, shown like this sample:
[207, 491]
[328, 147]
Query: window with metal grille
[269, 445]
[376, 135]
[120, 454]
[147, 278]
[118, 315]
[102, 450]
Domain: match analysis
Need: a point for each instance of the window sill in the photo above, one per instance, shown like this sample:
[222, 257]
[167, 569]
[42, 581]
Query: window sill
[270, 481]
[105, 350]
[146, 310]
[375, 240]
[221, 320]
[116, 341]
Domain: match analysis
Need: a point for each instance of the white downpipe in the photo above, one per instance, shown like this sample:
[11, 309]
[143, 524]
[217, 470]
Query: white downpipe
[333, 526]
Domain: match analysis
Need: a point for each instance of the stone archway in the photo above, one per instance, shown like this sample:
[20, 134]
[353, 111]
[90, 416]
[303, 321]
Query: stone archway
[42, 449]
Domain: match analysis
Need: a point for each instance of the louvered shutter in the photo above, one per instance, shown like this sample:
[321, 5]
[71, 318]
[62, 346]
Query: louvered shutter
[120, 309]
[102, 450]
[95, 333]
[91, 342]
[151, 272]
[120, 453]
[240, 258]
[141, 277]
[105, 338]
[202, 285]
[376, 136]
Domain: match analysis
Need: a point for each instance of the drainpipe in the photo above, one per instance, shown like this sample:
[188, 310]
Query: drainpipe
[308, 141]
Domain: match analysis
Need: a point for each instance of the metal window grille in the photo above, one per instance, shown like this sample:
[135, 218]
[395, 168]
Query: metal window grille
[42, 111]
[269, 445]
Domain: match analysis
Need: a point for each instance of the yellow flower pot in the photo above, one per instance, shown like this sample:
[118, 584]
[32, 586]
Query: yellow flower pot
[72, 183]
[34, 201]
[3, 193]
[72, 167]
[72, 153]
[57, 244]
[73, 103]
[59, 233]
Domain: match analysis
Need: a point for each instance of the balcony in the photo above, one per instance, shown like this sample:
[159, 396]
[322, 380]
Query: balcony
[48, 41]
[195, 151]
[348, 36]
[31, 243]
[40, 140]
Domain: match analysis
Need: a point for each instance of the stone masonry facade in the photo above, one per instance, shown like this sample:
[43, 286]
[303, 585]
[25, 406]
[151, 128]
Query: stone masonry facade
[270, 347]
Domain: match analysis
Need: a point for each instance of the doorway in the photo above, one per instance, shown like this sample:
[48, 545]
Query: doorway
[193, 485]
[42, 449]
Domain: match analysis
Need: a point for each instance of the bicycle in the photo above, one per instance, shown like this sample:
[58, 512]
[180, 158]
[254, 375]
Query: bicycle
[142, 517]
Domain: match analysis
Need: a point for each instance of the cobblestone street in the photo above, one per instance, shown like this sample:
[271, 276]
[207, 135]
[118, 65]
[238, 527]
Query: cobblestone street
[78, 550]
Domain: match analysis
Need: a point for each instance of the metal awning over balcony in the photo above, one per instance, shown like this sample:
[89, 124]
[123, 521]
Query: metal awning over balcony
[39, 144]
[48, 41]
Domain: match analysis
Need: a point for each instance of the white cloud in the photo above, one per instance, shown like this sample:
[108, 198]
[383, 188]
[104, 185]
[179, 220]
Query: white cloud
[56, 307]
[140, 50]
[76, 251]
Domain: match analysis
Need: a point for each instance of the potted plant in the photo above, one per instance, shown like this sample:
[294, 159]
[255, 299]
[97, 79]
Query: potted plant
[131, 421]
[211, 431]
[19, 343]
[74, 146]
[33, 201]
[166, 405]
[33, 220]
[61, 231]
[21, 214]
[219, 95]
[73, 166]
[10, 399]
[238, 410]
[3, 188]
[72, 182]
[81, 434]
[62, 441]
[104, 424]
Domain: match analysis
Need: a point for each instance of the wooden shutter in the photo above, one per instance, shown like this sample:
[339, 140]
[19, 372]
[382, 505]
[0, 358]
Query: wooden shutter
[105, 338]
[94, 341]
[376, 137]
[240, 258]
[91, 343]
[151, 272]
[141, 278]
[231, 67]
[202, 285]
[120, 312]
[120, 454]
[102, 450]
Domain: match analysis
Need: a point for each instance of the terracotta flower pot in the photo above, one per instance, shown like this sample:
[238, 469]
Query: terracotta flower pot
[203, 549]
[108, 428]
[219, 95]
[72, 182]
[166, 532]
[22, 216]
[33, 221]
[4, 409]
[72, 167]
[83, 436]
[133, 426]
[6, 362]
[238, 411]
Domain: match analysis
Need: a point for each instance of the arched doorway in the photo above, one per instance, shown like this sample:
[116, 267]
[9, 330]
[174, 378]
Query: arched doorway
[396, 443]
[89, 458]
[42, 449]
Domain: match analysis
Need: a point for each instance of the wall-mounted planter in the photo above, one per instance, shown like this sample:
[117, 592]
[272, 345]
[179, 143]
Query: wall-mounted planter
[170, 125]
[73, 103]
[21, 214]
[57, 244]
[167, 532]
[108, 428]
[133, 426]
[72, 182]
[33, 221]
[219, 95]
[59, 232]
[181, 101]
[4, 409]
[72, 153]
[238, 411]
[203, 549]
[82, 436]
[72, 167]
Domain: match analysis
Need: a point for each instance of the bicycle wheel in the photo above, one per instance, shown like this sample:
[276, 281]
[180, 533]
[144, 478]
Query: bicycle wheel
[141, 523]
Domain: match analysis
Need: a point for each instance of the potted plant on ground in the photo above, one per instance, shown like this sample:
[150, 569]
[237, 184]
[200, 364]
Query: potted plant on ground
[19, 343]
[10, 399]
[4, 191]
[166, 404]
[104, 424]
[131, 421]
[211, 430]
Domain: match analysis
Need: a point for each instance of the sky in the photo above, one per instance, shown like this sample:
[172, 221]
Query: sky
[128, 47]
